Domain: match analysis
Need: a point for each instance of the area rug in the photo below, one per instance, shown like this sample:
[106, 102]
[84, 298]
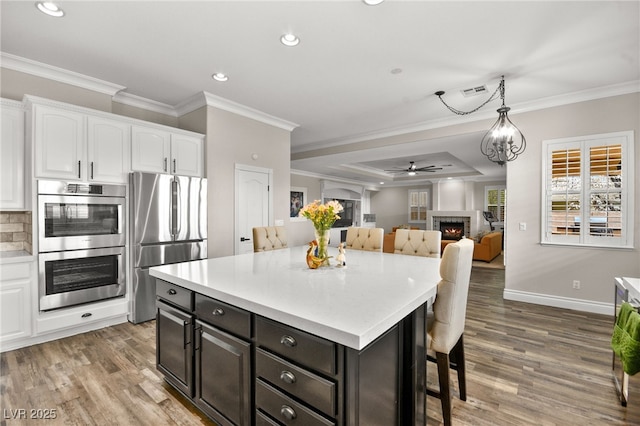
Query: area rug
[497, 263]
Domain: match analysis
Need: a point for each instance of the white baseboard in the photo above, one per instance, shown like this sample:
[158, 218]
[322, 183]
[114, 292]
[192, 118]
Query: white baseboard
[60, 334]
[559, 302]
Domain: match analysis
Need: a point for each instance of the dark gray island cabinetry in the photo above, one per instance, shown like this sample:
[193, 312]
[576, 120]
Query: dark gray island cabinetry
[262, 340]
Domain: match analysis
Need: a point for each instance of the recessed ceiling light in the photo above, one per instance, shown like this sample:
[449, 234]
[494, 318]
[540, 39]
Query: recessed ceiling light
[219, 76]
[289, 39]
[372, 2]
[50, 8]
[381, 183]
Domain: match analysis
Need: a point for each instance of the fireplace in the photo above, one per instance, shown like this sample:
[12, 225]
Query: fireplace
[452, 230]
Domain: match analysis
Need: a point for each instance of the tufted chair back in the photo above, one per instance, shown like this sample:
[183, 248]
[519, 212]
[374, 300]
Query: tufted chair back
[418, 243]
[445, 325]
[367, 239]
[267, 238]
[449, 309]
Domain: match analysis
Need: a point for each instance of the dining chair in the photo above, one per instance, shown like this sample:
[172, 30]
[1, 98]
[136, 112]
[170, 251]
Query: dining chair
[267, 238]
[367, 239]
[445, 324]
[417, 242]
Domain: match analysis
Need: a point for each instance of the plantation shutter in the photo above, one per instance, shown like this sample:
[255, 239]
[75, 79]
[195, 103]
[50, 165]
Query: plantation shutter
[588, 184]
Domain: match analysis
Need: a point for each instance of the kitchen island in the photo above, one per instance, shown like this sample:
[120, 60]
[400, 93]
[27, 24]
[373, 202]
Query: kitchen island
[334, 345]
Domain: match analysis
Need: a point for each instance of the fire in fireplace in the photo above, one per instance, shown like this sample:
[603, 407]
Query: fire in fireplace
[452, 230]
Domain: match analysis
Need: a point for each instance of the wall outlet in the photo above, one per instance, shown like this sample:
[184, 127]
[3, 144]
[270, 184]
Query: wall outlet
[576, 284]
[523, 226]
[279, 222]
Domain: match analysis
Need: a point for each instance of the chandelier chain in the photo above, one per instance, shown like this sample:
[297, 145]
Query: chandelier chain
[500, 89]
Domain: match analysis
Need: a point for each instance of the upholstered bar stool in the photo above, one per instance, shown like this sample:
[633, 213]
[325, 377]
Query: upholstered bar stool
[417, 242]
[367, 239]
[445, 325]
[267, 238]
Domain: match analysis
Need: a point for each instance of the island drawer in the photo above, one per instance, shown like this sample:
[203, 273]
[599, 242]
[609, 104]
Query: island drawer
[286, 410]
[311, 388]
[264, 420]
[223, 316]
[299, 346]
[175, 295]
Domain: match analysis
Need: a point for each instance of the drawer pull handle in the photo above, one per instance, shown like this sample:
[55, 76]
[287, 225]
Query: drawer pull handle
[87, 315]
[218, 312]
[288, 341]
[288, 412]
[172, 292]
[287, 377]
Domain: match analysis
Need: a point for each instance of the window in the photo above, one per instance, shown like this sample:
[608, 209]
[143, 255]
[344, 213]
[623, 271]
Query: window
[418, 204]
[588, 184]
[495, 201]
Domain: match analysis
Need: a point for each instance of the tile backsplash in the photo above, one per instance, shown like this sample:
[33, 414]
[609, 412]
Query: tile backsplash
[15, 231]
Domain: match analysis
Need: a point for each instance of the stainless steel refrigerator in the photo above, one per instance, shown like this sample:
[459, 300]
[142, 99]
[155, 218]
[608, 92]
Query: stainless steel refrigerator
[168, 225]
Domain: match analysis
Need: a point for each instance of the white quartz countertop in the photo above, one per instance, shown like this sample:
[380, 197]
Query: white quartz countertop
[351, 306]
[633, 285]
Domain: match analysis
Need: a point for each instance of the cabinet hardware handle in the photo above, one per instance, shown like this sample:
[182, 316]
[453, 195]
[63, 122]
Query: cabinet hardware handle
[288, 412]
[186, 329]
[92, 170]
[87, 315]
[218, 312]
[288, 341]
[79, 168]
[165, 164]
[174, 165]
[287, 377]
[172, 291]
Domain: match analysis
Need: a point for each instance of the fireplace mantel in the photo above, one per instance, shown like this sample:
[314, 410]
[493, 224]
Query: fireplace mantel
[474, 218]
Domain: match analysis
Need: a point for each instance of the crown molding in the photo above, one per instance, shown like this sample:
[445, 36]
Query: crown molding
[543, 103]
[245, 111]
[61, 75]
[144, 103]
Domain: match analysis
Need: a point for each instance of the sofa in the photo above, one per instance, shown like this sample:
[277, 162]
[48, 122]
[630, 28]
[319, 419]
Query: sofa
[489, 247]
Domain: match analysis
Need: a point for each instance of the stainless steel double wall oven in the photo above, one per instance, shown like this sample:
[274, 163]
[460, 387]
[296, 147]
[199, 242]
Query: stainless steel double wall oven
[81, 243]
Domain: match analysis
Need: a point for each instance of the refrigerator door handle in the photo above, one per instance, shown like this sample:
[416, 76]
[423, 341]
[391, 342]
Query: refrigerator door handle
[172, 209]
[177, 201]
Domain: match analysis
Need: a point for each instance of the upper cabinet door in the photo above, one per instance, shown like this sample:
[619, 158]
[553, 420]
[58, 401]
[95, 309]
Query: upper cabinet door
[59, 144]
[186, 155]
[12, 157]
[108, 149]
[151, 149]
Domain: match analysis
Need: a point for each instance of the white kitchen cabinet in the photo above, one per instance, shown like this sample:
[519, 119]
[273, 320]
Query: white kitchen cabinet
[71, 145]
[12, 194]
[186, 155]
[151, 149]
[15, 300]
[108, 150]
[59, 143]
[158, 151]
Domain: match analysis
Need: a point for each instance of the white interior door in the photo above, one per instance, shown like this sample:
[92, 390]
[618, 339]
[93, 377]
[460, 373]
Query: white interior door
[253, 204]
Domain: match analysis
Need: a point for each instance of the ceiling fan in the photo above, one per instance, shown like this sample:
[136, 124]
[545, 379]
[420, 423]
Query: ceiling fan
[413, 169]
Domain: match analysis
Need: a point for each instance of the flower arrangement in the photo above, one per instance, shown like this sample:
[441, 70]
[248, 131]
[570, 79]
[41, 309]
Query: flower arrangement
[322, 215]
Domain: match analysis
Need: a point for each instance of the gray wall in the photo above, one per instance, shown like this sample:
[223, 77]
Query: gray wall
[550, 270]
[231, 140]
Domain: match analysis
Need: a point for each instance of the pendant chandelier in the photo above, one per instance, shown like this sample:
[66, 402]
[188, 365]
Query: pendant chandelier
[504, 141]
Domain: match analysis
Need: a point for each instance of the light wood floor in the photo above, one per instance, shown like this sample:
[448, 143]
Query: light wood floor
[527, 365]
